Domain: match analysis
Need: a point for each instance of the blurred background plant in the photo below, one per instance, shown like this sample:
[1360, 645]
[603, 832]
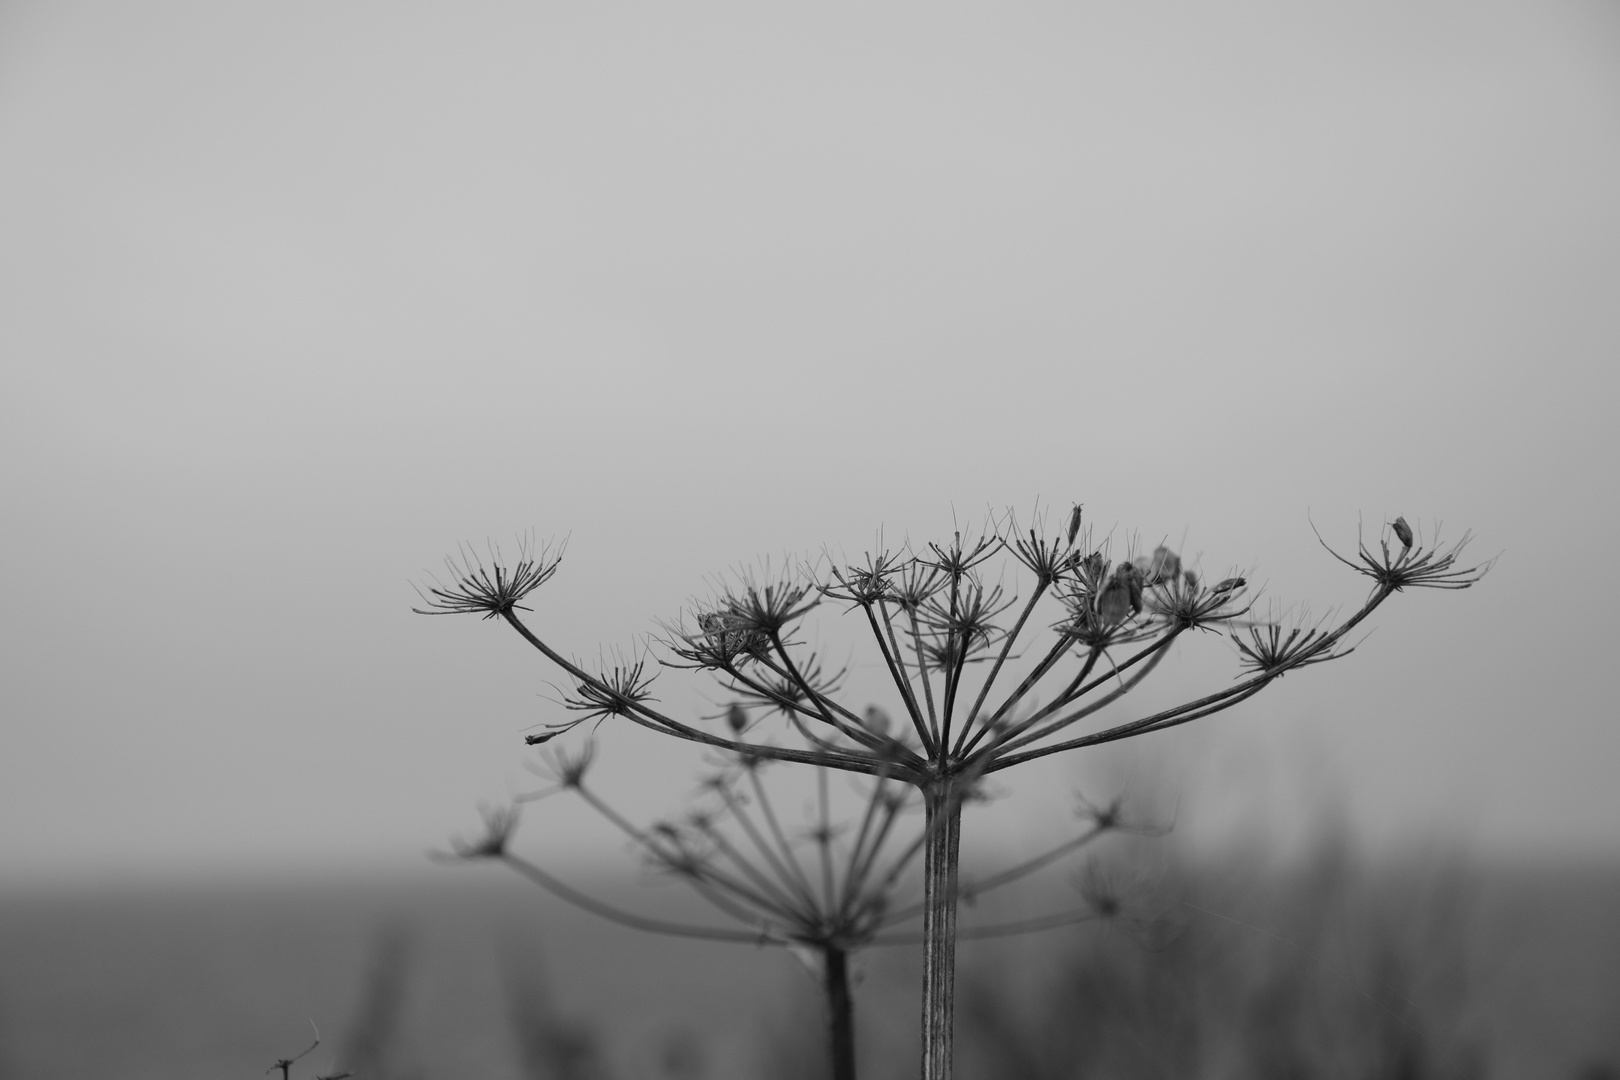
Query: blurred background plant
[823, 888]
[550, 1045]
[1245, 955]
[374, 1044]
[284, 1065]
[1323, 969]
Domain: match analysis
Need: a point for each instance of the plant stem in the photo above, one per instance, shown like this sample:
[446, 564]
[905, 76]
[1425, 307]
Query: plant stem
[943, 848]
[840, 1012]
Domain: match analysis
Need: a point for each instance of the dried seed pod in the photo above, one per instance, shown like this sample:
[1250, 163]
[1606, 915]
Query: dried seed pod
[1166, 565]
[547, 735]
[877, 721]
[736, 718]
[1074, 523]
[1122, 595]
[1403, 532]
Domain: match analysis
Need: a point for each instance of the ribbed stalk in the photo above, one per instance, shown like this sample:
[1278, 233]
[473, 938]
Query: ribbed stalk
[943, 846]
[840, 1013]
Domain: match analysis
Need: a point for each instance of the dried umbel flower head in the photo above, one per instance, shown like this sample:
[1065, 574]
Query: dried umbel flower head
[933, 619]
[724, 638]
[788, 693]
[769, 607]
[956, 558]
[565, 769]
[500, 822]
[1270, 650]
[492, 590]
[615, 691]
[1181, 601]
[865, 584]
[1050, 559]
[1102, 893]
[1416, 566]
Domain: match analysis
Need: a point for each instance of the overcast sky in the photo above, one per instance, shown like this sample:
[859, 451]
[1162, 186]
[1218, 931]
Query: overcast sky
[296, 297]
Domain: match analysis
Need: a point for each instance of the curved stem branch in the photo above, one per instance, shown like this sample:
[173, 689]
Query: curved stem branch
[626, 918]
[641, 713]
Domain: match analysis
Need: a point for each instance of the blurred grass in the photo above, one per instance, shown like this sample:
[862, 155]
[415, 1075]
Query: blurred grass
[1317, 970]
[1325, 966]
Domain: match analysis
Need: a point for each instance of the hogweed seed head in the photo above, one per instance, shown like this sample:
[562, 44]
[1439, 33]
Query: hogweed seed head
[720, 642]
[769, 608]
[500, 822]
[863, 585]
[1088, 625]
[956, 559]
[912, 587]
[1416, 566]
[616, 691]
[970, 616]
[1272, 651]
[569, 768]
[1180, 602]
[790, 693]
[1103, 899]
[1050, 559]
[490, 590]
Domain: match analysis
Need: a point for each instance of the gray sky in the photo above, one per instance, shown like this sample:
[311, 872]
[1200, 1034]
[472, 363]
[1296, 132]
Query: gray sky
[296, 297]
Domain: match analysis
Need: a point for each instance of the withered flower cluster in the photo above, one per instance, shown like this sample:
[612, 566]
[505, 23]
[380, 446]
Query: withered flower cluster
[952, 639]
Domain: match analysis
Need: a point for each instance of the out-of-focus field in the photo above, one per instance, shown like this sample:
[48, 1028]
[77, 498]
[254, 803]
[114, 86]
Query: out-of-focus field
[1328, 969]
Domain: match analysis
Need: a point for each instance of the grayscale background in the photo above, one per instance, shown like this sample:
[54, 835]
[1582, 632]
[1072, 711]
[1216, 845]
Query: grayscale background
[296, 298]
